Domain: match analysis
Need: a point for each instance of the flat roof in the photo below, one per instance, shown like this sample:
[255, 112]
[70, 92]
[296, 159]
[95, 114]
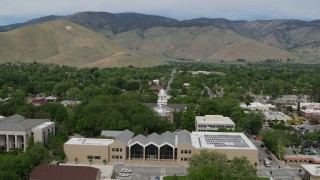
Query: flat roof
[43, 125]
[221, 140]
[276, 115]
[89, 141]
[213, 119]
[313, 169]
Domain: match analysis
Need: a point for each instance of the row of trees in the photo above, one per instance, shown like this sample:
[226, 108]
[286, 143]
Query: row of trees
[237, 80]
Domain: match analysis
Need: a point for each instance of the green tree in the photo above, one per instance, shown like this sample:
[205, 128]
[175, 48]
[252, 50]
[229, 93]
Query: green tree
[214, 165]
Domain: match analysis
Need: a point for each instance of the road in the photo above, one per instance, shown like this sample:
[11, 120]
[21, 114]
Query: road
[147, 172]
[280, 173]
[170, 80]
[284, 172]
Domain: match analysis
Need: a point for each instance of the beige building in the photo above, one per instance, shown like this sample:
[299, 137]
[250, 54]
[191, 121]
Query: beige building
[16, 130]
[311, 171]
[159, 148]
[209, 123]
[84, 149]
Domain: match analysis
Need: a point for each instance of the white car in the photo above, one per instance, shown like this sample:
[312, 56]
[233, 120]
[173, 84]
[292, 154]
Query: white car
[126, 170]
[119, 163]
[123, 175]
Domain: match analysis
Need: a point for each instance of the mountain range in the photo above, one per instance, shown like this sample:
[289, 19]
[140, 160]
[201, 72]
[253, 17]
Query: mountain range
[104, 39]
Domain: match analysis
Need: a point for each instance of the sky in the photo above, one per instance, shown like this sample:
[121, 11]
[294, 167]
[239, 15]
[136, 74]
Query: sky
[15, 11]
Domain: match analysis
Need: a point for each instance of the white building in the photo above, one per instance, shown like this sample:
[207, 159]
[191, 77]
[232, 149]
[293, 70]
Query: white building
[16, 130]
[312, 171]
[274, 115]
[256, 106]
[209, 123]
[163, 108]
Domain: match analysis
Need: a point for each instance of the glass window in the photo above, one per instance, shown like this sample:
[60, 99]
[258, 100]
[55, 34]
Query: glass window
[97, 157]
[181, 151]
[90, 157]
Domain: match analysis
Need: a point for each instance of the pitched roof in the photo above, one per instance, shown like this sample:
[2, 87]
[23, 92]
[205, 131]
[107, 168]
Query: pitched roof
[184, 137]
[154, 137]
[168, 137]
[53, 172]
[108, 133]
[138, 139]
[125, 136]
[19, 123]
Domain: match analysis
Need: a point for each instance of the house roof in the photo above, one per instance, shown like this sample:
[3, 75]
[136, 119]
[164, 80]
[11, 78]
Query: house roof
[19, 123]
[53, 172]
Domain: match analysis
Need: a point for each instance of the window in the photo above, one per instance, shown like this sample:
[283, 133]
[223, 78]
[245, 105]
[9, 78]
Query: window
[185, 151]
[181, 151]
[120, 149]
[97, 157]
[112, 149]
[181, 159]
[116, 157]
[185, 159]
[90, 157]
[189, 151]
[117, 149]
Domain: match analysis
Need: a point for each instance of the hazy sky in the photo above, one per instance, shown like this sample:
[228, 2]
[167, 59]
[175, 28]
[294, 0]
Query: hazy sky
[13, 11]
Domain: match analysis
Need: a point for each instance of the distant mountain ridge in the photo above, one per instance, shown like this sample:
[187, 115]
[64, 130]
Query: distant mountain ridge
[202, 39]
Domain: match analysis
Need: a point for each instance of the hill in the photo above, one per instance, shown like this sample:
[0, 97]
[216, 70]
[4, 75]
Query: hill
[152, 37]
[51, 42]
[200, 43]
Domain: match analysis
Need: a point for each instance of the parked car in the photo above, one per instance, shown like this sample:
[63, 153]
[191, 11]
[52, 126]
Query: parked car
[123, 170]
[262, 146]
[269, 157]
[119, 163]
[123, 175]
[268, 152]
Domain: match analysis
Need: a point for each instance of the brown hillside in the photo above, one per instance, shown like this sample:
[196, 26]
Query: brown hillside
[250, 50]
[51, 42]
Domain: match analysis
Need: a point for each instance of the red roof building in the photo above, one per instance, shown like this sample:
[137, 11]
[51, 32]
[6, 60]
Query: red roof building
[54, 172]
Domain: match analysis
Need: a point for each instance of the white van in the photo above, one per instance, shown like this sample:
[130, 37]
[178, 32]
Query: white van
[266, 162]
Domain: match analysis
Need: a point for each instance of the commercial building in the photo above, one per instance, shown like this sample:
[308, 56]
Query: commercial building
[312, 171]
[156, 148]
[16, 130]
[209, 123]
